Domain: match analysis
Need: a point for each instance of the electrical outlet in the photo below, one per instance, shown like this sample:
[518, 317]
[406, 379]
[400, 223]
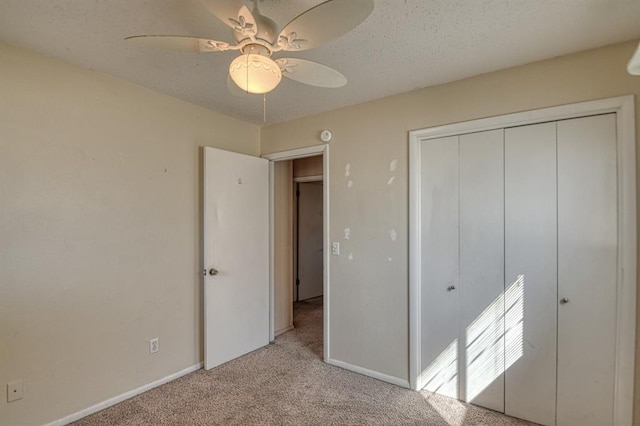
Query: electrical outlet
[154, 345]
[15, 391]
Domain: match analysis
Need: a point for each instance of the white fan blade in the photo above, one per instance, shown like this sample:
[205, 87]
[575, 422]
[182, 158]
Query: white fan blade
[311, 73]
[233, 13]
[180, 43]
[246, 23]
[633, 67]
[233, 87]
[323, 23]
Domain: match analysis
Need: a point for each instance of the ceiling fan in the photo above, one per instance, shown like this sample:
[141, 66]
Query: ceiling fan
[257, 38]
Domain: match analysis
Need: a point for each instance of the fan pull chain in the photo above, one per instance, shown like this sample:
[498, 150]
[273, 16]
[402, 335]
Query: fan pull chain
[264, 108]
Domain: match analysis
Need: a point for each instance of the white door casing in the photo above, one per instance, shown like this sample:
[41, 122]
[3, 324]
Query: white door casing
[625, 303]
[236, 255]
[295, 154]
[493, 318]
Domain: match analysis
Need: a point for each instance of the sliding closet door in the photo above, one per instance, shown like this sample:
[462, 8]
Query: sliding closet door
[482, 268]
[531, 272]
[439, 259]
[587, 264]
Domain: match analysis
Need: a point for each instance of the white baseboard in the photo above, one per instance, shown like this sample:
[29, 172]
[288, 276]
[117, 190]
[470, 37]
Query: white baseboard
[119, 398]
[366, 372]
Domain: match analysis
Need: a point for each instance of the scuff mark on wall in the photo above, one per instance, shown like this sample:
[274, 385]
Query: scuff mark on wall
[393, 165]
[389, 259]
[347, 173]
[350, 257]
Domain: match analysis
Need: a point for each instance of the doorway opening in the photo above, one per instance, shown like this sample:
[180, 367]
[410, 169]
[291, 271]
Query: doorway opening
[307, 241]
[308, 249]
[299, 275]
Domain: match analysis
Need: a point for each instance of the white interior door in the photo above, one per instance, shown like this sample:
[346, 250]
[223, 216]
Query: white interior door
[531, 272]
[482, 268]
[440, 319]
[587, 270]
[236, 255]
[310, 270]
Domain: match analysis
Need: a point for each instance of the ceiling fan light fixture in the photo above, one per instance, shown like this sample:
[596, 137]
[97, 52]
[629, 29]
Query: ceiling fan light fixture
[255, 73]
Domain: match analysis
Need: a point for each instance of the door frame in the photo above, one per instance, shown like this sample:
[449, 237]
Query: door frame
[295, 154]
[624, 108]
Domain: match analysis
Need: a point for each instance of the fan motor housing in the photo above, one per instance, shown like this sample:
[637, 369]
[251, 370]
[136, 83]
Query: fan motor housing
[256, 49]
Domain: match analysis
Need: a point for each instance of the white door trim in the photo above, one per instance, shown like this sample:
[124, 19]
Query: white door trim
[292, 155]
[624, 108]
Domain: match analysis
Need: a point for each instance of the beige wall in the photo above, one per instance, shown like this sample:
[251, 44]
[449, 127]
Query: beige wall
[283, 243]
[99, 233]
[369, 294]
[306, 167]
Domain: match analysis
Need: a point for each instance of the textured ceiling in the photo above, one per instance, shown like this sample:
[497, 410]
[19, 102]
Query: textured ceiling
[403, 45]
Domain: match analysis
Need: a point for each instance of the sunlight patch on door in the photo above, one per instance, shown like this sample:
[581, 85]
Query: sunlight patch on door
[494, 341]
[514, 322]
[441, 376]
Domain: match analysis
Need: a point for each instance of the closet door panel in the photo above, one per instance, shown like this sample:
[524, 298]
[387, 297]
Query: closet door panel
[482, 268]
[439, 263]
[530, 272]
[587, 267]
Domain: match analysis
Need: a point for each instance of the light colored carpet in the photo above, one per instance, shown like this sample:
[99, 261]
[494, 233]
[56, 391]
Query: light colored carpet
[286, 383]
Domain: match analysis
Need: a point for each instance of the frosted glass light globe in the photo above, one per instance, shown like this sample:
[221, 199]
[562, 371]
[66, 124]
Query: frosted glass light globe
[255, 73]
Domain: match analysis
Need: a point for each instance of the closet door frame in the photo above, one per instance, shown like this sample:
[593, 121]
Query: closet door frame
[624, 108]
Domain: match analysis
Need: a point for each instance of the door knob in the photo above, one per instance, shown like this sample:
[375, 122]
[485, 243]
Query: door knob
[213, 271]
[564, 300]
[451, 287]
